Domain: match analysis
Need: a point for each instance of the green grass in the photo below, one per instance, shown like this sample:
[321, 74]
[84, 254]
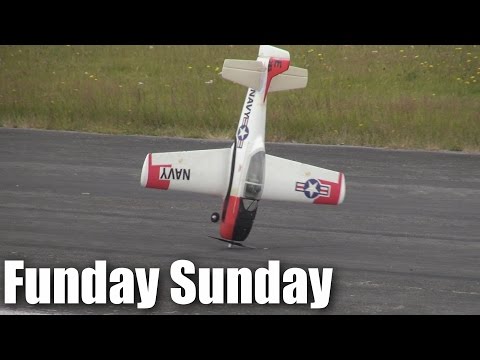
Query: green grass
[387, 96]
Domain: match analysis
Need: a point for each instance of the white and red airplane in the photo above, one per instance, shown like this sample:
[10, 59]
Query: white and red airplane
[244, 174]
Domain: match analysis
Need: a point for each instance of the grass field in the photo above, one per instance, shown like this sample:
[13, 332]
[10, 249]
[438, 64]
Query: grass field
[387, 96]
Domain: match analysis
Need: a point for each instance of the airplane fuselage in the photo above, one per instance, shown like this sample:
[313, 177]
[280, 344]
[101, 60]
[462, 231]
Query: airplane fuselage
[247, 175]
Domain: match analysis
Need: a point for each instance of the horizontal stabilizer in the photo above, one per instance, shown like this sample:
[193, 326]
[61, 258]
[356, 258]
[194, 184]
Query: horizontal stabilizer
[287, 180]
[202, 171]
[293, 78]
[248, 73]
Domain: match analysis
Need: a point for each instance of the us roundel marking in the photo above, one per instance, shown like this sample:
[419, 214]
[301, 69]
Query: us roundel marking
[243, 132]
[312, 188]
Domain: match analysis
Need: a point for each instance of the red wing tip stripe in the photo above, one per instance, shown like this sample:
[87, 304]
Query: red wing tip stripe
[335, 192]
[153, 177]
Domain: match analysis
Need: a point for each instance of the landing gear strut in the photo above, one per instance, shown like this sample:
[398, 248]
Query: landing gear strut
[231, 243]
[215, 217]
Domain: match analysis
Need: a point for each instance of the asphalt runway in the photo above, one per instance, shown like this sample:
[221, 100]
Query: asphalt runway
[405, 241]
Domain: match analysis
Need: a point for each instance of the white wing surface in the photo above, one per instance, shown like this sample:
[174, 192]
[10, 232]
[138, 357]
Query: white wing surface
[202, 171]
[288, 180]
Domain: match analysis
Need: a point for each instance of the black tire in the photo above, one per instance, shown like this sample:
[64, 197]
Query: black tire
[215, 217]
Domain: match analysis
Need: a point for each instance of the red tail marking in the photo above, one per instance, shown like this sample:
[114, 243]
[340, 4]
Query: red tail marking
[275, 67]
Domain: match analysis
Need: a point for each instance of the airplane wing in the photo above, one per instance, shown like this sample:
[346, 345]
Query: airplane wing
[288, 180]
[202, 171]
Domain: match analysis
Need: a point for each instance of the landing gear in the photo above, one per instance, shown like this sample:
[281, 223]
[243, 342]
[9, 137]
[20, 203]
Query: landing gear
[232, 243]
[215, 217]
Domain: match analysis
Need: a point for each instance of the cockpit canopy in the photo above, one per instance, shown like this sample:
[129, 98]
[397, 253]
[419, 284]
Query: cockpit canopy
[254, 180]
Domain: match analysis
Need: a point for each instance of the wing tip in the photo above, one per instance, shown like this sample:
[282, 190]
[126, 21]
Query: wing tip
[342, 189]
[145, 168]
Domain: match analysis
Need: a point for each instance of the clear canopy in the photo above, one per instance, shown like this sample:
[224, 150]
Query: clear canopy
[254, 180]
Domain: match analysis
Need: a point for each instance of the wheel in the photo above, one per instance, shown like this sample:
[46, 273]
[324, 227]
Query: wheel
[215, 217]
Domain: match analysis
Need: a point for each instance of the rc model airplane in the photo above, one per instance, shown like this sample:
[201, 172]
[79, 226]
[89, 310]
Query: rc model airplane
[243, 174]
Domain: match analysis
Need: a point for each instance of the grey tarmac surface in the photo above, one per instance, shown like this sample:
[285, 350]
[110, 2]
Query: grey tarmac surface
[406, 240]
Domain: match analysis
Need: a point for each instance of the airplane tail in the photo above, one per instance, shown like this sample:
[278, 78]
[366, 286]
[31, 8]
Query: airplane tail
[269, 73]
